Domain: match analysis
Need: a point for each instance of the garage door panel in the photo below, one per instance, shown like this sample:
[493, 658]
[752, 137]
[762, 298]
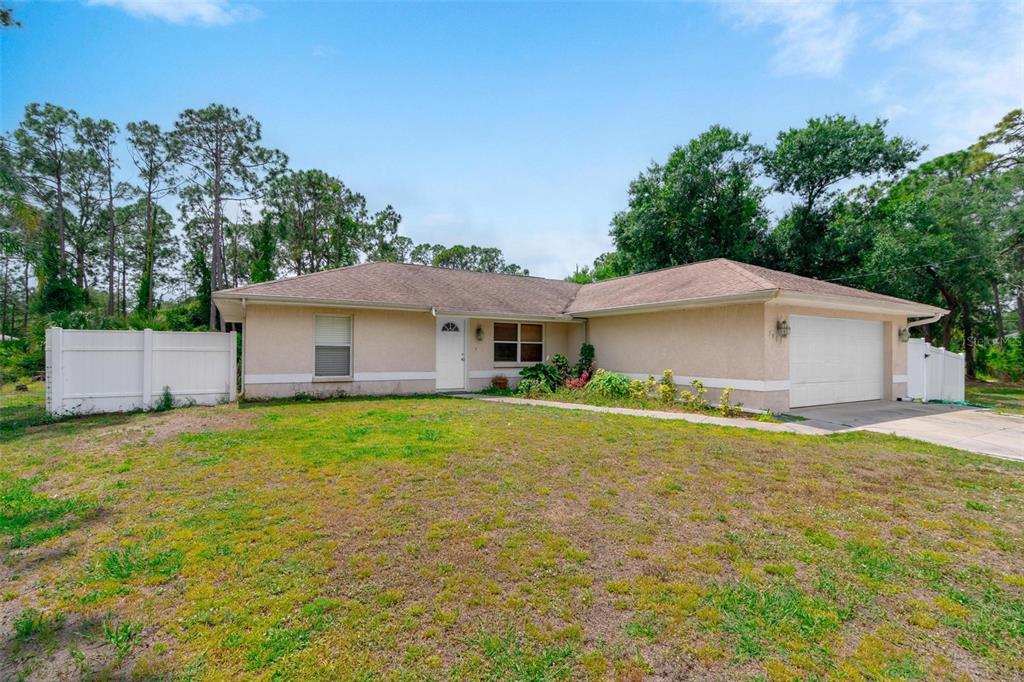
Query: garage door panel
[835, 360]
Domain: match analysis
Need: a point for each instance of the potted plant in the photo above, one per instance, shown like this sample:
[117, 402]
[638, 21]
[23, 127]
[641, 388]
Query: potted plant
[500, 382]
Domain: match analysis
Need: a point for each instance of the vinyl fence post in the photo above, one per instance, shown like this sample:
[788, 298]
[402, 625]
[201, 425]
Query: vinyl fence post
[147, 368]
[233, 367]
[54, 373]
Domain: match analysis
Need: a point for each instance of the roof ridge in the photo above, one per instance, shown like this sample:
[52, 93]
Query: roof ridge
[475, 272]
[752, 276]
[648, 272]
[253, 285]
[295, 277]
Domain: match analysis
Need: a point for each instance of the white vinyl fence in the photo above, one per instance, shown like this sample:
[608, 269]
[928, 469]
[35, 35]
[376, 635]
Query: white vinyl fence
[934, 373]
[90, 371]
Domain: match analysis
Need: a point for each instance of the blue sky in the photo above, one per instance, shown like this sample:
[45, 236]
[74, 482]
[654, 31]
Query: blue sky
[517, 125]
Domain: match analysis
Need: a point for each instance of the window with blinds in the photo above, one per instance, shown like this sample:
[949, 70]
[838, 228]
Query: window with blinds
[333, 346]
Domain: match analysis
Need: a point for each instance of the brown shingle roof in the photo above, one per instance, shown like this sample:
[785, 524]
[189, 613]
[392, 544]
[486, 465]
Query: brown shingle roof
[401, 284]
[708, 279]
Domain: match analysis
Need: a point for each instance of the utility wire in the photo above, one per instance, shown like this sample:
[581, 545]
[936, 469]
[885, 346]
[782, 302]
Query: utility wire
[909, 267]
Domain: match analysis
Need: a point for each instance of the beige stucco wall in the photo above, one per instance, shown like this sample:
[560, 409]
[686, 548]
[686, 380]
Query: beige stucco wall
[722, 341]
[335, 388]
[279, 340]
[736, 342]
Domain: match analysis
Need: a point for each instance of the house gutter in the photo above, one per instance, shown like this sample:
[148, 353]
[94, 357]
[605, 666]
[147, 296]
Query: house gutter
[926, 320]
[857, 304]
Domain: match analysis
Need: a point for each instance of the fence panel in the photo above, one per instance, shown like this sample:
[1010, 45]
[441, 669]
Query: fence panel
[89, 371]
[934, 373]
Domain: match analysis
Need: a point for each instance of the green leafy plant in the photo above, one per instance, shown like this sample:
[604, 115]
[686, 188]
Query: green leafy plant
[33, 622]
[695, 399]
[609, 384]
[562, 366]
[122, 636]
[166, 401]
[532, 388]
[667, 388]
[586, 361]
[542, 373]
[642, 390]
[725, 407]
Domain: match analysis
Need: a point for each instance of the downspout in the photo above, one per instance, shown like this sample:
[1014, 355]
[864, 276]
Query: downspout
[927, 320]
[245, 342]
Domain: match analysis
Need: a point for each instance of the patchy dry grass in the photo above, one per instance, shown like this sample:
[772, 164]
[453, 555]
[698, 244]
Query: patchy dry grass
[435, 538]
[1002, 397]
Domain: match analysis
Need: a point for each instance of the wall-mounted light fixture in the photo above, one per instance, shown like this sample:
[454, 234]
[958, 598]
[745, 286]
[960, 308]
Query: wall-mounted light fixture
[904, 335]
[479, 333]
[782, 328]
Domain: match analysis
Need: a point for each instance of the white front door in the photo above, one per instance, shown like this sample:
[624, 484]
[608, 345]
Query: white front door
[451, 353]
[835, 360]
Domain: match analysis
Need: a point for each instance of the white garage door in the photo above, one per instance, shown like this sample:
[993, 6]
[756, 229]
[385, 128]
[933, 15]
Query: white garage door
[834, 360]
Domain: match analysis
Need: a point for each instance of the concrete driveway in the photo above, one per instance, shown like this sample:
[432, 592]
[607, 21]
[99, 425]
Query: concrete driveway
[966, 428]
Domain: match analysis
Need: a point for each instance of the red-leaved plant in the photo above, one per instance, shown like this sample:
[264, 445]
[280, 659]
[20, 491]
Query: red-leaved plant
[578, 383]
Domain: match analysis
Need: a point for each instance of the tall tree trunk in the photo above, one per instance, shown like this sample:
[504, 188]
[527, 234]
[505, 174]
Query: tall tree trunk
[112, 243]
[969, 341]
[124, 286]
[1000, 332]
[80, 266]
[1020, 310]
[3, 305]
[951, 304]
[24, 312]
[150, 248]
[60, 224]
[216, 255]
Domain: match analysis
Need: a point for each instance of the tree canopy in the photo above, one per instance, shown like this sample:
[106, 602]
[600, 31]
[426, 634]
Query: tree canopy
[704, 202]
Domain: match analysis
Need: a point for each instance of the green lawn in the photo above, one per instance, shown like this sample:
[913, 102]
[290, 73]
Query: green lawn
[437, 538]
[20, 409]
[1002, 397]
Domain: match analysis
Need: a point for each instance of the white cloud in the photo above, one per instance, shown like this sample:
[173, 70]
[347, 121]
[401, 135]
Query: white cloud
[203, 12]
[944, 72]
[958, 75]
[813, 38]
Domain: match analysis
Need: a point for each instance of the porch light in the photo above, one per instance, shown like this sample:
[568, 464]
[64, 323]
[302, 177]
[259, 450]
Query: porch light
[782, 328]
[479, 333]
[904, 335]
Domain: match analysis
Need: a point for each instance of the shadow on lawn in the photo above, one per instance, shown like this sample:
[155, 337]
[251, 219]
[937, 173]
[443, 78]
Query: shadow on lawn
[304, 399]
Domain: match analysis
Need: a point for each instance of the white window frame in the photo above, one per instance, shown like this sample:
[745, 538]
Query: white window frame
[519, 362]
[350, 345]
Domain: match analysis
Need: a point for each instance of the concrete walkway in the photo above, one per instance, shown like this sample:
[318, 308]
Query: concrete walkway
[966, 428]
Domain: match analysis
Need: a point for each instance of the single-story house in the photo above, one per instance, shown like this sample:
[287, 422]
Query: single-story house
[779, 340]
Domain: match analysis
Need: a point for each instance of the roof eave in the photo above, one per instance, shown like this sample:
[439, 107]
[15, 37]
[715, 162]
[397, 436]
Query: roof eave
[858, 304]
[228, 295]
[317, 302]
[702, 302]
